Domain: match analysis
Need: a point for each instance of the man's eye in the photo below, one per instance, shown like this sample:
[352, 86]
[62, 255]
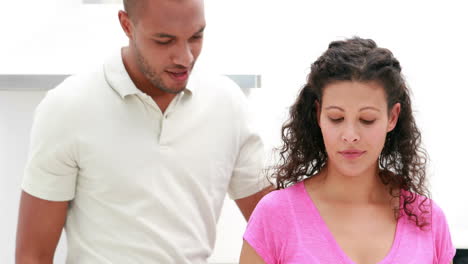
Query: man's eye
[162, 42]
[197, 37]
[367, 122]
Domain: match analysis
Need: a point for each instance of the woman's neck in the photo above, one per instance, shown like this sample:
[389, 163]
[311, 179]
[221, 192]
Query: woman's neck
[366, 188]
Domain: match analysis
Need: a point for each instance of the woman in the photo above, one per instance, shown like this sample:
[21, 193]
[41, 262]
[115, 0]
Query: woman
[351, 182]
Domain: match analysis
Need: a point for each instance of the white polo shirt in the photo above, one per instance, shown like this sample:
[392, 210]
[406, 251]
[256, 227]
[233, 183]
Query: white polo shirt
[145, 187]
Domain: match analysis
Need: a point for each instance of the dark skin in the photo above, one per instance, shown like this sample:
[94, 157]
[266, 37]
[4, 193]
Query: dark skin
[166, 37]
[40, 225]
[181, 51]
[247, 204]
[41, 222]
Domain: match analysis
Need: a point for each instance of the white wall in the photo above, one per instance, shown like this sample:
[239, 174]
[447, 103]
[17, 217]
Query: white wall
[277, 39]
[16, 110]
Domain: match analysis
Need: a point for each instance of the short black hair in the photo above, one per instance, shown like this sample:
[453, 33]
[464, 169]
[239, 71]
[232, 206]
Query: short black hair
[130, 6]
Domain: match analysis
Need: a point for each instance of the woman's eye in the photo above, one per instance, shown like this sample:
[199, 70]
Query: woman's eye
[367, 122]
[336, 120]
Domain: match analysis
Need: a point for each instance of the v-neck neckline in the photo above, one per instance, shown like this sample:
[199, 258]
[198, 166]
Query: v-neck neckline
[336, 247]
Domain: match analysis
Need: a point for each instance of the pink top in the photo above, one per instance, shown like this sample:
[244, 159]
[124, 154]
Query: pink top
[286, 227]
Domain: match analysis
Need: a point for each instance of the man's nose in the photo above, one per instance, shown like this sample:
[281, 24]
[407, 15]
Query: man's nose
[183, 55]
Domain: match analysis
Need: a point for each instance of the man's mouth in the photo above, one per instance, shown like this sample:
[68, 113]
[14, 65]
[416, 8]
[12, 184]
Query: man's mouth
[178, 75]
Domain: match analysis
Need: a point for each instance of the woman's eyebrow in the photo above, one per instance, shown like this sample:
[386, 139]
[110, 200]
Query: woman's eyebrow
[362, 109]
[334, 107]
[370, 108]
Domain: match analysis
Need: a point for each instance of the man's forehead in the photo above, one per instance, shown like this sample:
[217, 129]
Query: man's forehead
[172, 19]
[160, 7]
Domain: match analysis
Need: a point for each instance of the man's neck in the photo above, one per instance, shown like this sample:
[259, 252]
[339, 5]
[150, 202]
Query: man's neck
[161, 98]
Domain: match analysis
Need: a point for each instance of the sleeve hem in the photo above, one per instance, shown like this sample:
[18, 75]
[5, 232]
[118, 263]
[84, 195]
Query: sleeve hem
[448, 257]
[252, 189]
[257, 249]
[47, 194]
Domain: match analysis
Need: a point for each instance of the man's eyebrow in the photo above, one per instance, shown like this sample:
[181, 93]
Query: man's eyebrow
[165, 35]
[201, 30]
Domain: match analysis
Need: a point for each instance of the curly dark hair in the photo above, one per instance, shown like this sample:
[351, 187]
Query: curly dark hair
[402, 162]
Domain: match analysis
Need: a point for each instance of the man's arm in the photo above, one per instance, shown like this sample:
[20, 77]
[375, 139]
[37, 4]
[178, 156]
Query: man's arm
[40, 225]
[249, 255]
[247, 204]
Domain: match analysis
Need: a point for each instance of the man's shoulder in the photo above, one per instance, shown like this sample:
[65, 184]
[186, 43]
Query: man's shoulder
[80, 82]
[74, 91]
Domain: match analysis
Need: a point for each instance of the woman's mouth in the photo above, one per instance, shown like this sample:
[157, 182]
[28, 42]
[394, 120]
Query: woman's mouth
[352, 154]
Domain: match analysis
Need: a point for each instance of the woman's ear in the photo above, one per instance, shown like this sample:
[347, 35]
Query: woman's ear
[393, 118]
[318, 111]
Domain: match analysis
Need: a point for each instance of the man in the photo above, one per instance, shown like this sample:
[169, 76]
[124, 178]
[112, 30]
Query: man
[132, 159]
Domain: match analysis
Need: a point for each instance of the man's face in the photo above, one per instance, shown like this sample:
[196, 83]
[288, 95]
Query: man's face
[167, 39]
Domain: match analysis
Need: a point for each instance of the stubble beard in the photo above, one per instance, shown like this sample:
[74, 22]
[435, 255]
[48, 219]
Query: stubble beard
[151, 75]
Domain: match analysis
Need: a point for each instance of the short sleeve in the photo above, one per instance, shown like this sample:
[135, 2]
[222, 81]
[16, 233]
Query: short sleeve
[265, 227]
[444, 248]
[247, 177]
[51, 169]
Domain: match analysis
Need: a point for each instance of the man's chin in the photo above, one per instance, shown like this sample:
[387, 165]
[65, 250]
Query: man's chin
[173, 89]
[174, 86]
[177, 91]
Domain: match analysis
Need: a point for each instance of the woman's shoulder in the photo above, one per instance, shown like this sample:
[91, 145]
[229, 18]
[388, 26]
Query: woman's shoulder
[284, 194]
[425, 207]
[282, 199]
[420, 202]
[438, 226]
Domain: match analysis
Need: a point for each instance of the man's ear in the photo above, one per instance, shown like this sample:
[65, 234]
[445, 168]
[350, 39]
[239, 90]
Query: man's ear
[126, 24]
[393, 118]
[318, 111]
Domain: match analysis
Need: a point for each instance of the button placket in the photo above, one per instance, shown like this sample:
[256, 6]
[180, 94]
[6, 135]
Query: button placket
[165, 119]
[154, 114]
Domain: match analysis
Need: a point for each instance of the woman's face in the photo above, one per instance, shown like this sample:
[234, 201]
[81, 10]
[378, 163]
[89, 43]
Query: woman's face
[354, 121]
